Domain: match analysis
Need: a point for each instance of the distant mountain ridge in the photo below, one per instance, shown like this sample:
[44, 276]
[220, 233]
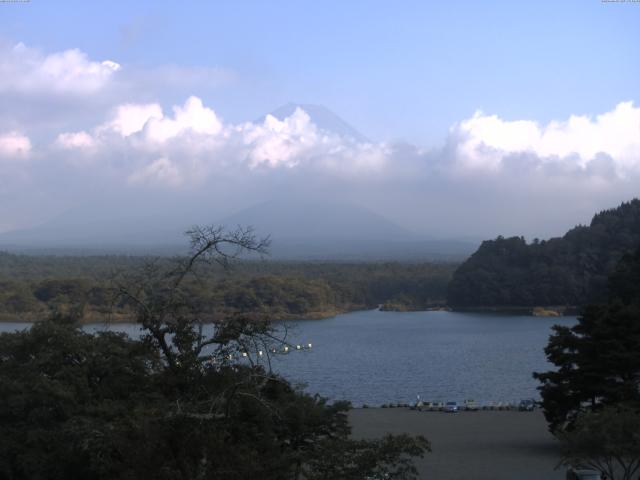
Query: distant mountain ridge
[571, 270]
[313, 229]
[303, 219]
[330, 229]
[107, 227]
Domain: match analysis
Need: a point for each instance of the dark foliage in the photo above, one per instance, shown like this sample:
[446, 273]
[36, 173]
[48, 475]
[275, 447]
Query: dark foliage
[597, 360]
[607, 441]
[571, 270]
[74, 405]
[178, 404]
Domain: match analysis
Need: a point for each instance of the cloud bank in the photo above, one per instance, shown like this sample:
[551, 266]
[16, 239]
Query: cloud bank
[186, 146]
[606, 146]
[490, 175]
[70, 72]
[485, 140]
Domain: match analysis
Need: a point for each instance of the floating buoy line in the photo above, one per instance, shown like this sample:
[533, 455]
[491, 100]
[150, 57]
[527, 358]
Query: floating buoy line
[285, 350]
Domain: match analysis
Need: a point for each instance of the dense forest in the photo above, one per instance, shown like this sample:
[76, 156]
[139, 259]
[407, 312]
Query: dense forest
[33, 287]
[568, 271]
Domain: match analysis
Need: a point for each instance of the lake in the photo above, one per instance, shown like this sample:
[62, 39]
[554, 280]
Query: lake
[377, 357]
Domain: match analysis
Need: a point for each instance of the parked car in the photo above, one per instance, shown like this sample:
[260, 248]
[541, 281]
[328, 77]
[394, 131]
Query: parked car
[471, 405]
[527, 405]
[583, 474]
[451, 407]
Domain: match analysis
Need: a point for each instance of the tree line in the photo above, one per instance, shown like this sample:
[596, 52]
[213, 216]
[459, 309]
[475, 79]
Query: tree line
[32, 287]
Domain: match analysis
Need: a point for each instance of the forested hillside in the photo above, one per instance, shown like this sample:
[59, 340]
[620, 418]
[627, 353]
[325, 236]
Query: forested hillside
[33, 287]
[570, 270]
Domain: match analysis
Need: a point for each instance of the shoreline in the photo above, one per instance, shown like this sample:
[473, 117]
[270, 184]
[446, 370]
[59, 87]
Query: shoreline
[531, 311]
[116, 318]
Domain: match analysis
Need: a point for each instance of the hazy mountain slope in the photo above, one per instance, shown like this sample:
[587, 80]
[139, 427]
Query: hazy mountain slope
[571, 270]
[294, 218]
[300, 229]
[339, 230]
[108, 226]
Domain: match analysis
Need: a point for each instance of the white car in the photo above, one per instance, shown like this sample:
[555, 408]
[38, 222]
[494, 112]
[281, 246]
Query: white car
[471, 406]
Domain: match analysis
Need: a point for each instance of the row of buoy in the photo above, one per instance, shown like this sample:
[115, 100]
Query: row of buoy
[285, 350]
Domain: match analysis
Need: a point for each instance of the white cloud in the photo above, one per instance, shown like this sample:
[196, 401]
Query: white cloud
[14, 145]
[130, 118]
[484, 141]
[77, 140]
[161, 171]
[193, 143]
[280, 143]
[193, 117]
[149, 121]
[27, 70]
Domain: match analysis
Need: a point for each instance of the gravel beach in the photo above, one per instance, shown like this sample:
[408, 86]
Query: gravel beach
[484, 445]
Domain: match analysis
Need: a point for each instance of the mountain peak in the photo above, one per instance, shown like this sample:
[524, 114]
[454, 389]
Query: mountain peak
[322, 117]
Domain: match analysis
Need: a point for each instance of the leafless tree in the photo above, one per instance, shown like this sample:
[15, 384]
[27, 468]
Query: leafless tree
[174, 320]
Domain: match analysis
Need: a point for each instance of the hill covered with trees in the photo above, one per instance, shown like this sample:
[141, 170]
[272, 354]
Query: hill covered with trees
[571, 270]
[31, 287]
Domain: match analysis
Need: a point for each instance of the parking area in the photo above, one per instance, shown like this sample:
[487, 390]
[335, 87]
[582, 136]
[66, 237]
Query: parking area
[483, 445]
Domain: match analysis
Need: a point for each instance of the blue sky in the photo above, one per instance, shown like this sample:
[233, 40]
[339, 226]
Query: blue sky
[484, 118]
[395, 70]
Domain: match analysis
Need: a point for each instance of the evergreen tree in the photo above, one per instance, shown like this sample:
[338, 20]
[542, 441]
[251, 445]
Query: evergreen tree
[597, 360]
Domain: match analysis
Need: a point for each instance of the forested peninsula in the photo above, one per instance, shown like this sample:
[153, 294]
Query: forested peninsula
[569, 271]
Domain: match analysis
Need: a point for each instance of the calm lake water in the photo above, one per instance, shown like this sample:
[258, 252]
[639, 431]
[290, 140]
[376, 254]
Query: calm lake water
[378, 357]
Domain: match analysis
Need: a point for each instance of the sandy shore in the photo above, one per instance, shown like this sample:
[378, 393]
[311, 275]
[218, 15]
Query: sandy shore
[483, 445]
